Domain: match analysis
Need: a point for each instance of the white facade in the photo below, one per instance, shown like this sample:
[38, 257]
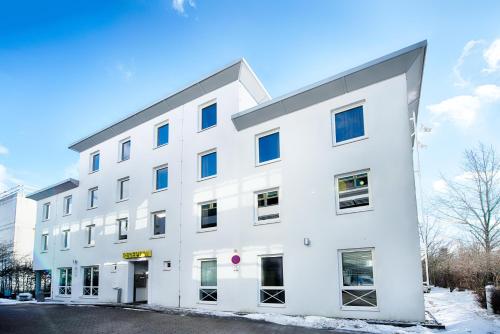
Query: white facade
[310, 234]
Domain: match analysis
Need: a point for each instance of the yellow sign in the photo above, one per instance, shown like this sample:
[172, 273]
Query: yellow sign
[138, 254]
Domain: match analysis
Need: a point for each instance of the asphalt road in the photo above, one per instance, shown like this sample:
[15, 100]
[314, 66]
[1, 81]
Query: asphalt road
[41, 319]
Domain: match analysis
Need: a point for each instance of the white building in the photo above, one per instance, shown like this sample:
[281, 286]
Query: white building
[220, 197]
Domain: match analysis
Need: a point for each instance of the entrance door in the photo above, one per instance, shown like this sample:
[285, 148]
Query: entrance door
[141, 282]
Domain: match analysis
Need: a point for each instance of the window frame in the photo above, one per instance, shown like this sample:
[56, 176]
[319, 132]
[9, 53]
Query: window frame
[155, 136]
[200, 156]
[155, 177]
[70, 210]
[200, 115]
[257, 149]
[91, 162]
[359, 288]
[46, 212]
[44, 247]
[65, 288]
[91, 201]
[264, 287]
[119, 190]
[152, 227]
[209, 287]
[361, 103]
[89, 242]
[256, 206]
[200, 212]
[66, 238]
[120, 149]
[368, 207]
[91, 286]
[119, 225]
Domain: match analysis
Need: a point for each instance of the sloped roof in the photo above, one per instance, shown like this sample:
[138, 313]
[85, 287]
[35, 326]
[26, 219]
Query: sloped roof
[54, 189]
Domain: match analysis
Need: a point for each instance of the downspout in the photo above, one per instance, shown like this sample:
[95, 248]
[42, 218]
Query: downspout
[180, 209]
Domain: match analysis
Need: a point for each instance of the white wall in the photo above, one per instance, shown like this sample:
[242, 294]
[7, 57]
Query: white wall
[305, 176]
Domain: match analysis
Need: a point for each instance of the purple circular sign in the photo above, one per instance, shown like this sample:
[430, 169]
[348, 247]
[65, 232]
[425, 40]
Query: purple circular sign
[235, 259]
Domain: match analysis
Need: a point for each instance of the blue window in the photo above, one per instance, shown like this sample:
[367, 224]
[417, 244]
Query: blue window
[95, 162]
[162, 135]
[125, 154]
[209, 116]
[161, 178]
[209, 164]
[269, 147]
[349, 124]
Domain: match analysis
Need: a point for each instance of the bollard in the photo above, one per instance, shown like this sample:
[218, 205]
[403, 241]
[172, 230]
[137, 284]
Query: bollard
[489, 290]
[118, 295]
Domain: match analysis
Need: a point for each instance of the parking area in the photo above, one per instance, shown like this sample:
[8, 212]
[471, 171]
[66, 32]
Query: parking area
[35, 318]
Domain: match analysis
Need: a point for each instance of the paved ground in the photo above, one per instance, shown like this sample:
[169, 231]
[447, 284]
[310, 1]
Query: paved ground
[41, 319]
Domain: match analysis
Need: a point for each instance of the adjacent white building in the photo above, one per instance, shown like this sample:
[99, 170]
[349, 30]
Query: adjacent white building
[220, 197]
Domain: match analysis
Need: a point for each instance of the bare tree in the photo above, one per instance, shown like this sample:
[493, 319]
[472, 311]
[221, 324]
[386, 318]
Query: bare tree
[473, 200]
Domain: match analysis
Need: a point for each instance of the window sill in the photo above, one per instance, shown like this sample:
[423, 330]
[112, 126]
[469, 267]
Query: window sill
[64, 249]
[92, 208]
[207, 128]
[267, 162]
[66, 214]
[349, 211]
[45, 220]
[272, 305]
[89, 246]
[160, 146]
[159, 190]
[120, 241]
[93, 171]
[206, 303]
[44, 251]
[122, 200]
[208, 229]
[160, 236]
[360, 308]
[271, 221]
[120, 161]
[350, 141]
[63, 296]
[207, 178]
[89, 297]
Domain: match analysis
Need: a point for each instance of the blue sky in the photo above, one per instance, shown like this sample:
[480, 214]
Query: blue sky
[68, 68]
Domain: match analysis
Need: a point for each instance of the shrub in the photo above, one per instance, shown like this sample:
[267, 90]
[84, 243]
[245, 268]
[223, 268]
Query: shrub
[495, 301]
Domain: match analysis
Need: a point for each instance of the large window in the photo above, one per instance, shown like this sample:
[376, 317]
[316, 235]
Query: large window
[353, 193]
[358, 288]
[162, 134]
[94, 161]
[91, 281]
[161, 178]
[45, 242]
[125, 149]
[348, 125]
[67, 205]
[92, 200]
[208, 164]
[90, 235]
[65, 281]
[208, 215]
[46, 211]
[65, 238]
[268, 147]
[208, 281]
[159, 220]
[272, 290]
[122, 228]
[123, 188]
[268, 208]
[208, 116]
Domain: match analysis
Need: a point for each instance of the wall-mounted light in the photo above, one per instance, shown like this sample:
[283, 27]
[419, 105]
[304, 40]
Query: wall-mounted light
[307, 242]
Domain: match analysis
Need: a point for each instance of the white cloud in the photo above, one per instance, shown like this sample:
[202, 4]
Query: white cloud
[492, 56]
[7, 181]
[440, 186]
[465, 176]
[459, 80]
[463, 109]
[179, 5]
[3, 150]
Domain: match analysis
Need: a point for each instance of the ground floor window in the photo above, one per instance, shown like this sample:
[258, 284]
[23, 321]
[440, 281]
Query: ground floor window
[91, 281]
[272, 289]
[65, 281]
[358, 286]
[208, 281]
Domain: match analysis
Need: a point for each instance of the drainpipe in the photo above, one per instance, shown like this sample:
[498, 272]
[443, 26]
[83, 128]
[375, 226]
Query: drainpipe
[180, 210]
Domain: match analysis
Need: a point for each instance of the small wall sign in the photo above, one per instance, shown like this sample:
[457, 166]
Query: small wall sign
[138, 254]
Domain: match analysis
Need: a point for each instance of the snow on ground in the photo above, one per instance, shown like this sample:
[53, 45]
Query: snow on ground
[5, 301]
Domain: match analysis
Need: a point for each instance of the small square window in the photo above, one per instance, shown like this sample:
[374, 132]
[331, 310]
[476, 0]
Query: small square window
[348, 125]
[160, 178]
[268, 147]
[46, 211]
[123, 188]
[159, 221]
[122, 229]
[67, 205]
[92, 200]
[208, 215]
[125, 150]
[208, 165]
[353, 192]
[208, 116]
[162, 131]
[268, 206]
[94, 162]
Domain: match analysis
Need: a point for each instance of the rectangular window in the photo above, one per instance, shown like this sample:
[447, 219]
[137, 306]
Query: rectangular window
[94, 162]
[90, 235]
[159, 223]
[272, 289]
[92, 201]
[122, 228]
[65, 239]
[67, 205]
[353, 192]
[358, 289]
[268, 147]
[125, 150]
[349, 124]
[45, 242]
[208, 116]
[91, 281]
[162, 134]
[208, 281]
[161, 178]
[65, 281]
[268, 206]
[208, 165]
[46, 211]
[123, 188]
[208, 215]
